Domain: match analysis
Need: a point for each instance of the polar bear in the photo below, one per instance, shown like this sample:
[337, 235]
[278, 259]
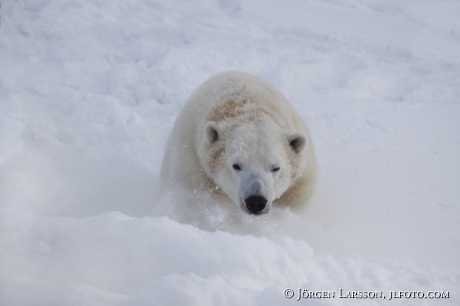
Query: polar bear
[238, 140]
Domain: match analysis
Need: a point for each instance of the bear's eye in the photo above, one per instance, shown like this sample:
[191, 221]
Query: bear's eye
[236, 167]
[275, 169]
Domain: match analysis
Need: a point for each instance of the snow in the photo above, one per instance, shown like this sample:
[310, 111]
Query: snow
[89, 91]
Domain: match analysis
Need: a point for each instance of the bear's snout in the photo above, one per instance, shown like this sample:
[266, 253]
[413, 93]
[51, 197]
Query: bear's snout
[255, 204]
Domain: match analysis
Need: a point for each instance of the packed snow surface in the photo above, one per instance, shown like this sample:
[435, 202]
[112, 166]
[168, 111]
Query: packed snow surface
[89, 91]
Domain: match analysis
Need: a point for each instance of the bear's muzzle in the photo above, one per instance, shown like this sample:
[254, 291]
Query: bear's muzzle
[256, 204]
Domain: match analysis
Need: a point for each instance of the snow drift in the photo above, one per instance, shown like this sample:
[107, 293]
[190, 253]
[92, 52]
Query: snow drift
[89, 91]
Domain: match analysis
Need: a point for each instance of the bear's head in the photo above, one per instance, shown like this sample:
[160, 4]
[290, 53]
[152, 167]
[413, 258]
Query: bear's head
[254, 163]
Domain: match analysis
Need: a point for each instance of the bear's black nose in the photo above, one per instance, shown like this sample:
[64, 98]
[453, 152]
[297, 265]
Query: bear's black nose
[255, 204]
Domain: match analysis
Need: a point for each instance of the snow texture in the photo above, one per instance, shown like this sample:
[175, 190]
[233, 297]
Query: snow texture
[89, 91]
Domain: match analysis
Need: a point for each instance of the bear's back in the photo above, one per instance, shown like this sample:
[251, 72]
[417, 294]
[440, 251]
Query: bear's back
[227, 91]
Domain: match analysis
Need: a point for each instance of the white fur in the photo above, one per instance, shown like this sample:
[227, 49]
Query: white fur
[236, 118]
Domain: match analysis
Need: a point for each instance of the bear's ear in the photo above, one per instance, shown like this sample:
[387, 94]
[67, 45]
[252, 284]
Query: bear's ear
[211, 131]
[297, 141]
